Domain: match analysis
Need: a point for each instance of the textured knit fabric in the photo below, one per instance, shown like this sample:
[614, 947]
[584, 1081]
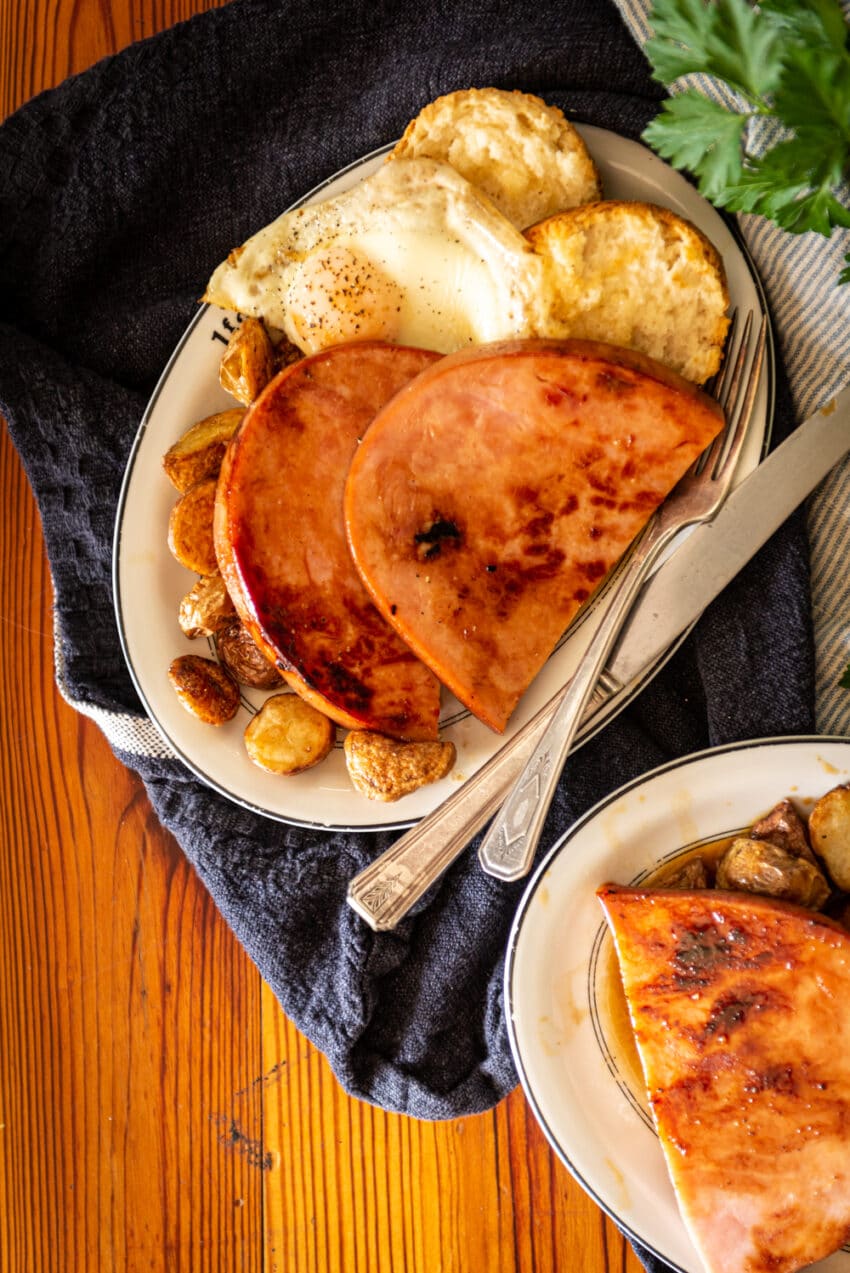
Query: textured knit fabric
[119, 193]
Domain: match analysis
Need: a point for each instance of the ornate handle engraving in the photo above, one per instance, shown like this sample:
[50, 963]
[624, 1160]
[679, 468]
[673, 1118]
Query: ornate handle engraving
[517, 818]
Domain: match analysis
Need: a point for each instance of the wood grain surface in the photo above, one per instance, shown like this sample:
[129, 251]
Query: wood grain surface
[157, 1110]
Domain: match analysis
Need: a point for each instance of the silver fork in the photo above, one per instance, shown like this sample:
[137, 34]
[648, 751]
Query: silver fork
[508, 848]
[385, 891]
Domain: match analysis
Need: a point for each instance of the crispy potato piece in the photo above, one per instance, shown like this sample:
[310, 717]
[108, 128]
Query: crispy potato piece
[248, 363]
[384, 769]
[691, 874]
[285, 354]
[205, 688]
[198, 453]
[190, 529]
[757, 866]
[288, 736]
[206, 608]
[241, 655]
[829, 832]
[784, 827]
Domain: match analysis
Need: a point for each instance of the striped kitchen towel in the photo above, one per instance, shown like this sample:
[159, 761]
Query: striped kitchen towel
[811, 313]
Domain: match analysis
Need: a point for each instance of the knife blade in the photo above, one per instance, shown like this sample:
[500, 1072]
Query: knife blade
[710, 556]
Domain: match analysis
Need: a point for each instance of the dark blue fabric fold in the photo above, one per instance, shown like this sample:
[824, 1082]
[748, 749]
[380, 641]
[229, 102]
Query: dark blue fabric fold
[119, 193]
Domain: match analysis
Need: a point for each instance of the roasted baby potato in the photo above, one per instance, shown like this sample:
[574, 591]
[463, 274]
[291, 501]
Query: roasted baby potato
[198, 453]
[288, 736]
[206, 608]
[205, 688]
[690, 874]
[285, 354]
[829, 832]
[757, 866]
[248, 363]
[784, 827]
[190, 528]
[384, 769]
[241, 655]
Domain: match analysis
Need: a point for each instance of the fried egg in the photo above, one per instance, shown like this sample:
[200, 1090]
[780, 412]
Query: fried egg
[413, 254]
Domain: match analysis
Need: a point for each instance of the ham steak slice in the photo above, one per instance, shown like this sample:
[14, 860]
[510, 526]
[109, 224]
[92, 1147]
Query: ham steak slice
[739, 1008]
[282, 551]
[492, 495]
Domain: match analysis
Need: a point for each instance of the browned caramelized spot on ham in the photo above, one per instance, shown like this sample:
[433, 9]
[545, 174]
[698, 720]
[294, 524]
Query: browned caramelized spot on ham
[703, 952]
[605, 486]
[516, 575]
[611, 382]
[731, 1011]
[540, 524]
[346, 688]
[592, 570]
[589, 456]
[777, 1078]
[440, 533]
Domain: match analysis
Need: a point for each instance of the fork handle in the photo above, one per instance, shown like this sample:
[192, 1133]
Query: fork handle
[508, 848]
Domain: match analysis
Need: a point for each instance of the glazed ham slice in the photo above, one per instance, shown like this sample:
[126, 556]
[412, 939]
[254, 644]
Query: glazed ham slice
[492, 495]
[282, 550]
[739, 1008]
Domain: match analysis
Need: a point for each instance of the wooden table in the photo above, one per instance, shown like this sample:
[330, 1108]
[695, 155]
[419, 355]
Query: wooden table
[157, 1109]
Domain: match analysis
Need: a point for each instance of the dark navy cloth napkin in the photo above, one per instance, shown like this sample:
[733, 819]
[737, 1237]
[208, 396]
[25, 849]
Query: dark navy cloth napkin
[119, 193]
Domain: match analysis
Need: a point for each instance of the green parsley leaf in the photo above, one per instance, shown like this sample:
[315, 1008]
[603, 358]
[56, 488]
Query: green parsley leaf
[788, 63]
[814, 91]
[844, 276]
[812, 23]
[702, 136]
[791, 186]
[844, 683]
[725, 39]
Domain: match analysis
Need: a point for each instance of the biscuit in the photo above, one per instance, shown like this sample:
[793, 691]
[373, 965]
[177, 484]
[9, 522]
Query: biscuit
[522, 153]
[637, 275]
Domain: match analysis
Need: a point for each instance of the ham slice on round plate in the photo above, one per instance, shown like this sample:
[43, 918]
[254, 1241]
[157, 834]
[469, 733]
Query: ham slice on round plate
[493, 494]
[739, 1009]
[281, 545]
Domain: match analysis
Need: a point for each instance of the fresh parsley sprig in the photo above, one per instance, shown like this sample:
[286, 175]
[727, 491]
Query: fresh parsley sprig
[787, 62]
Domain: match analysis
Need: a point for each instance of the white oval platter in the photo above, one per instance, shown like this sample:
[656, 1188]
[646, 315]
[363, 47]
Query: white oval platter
[149, 583]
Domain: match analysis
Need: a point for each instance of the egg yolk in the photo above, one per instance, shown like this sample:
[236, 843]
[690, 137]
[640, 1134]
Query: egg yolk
[340, 295]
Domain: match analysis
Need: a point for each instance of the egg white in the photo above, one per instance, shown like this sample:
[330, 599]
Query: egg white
[413, 254]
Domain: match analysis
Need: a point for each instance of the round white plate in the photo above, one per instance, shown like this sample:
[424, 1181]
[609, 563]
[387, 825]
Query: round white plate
[572, 1050]
[148, 583]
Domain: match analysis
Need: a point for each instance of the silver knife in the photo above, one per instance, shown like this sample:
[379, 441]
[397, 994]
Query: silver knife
[700, 568]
